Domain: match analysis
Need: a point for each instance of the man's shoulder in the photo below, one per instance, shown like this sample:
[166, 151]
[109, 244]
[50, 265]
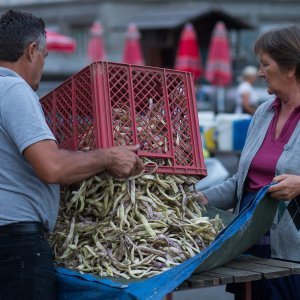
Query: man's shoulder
[12, 86]
[8, 76]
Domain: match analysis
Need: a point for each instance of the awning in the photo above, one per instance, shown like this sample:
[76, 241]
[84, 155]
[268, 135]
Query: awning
[160, 29]
[161, 19]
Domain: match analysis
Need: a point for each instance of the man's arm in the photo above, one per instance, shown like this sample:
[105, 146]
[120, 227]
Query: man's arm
[54, 165]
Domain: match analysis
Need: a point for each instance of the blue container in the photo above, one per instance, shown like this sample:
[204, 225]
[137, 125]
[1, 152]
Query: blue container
[240, 128]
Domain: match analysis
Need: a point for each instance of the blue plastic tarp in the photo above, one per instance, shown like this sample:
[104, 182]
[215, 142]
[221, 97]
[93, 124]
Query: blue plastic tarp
[244, 230]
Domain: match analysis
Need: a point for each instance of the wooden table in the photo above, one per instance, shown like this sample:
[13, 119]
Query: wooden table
[242, 269]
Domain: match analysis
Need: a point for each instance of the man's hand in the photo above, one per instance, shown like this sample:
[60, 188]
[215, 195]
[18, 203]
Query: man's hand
[287, 187]
[199, 197]
[54, 165]
[124, 162]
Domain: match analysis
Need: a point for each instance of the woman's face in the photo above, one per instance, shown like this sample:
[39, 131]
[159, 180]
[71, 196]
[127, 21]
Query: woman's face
[275, 77]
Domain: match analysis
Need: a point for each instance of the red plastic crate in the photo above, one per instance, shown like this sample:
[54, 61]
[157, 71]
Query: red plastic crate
[108, 104]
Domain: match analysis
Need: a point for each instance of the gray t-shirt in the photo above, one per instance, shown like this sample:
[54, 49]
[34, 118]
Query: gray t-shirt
[23, 196]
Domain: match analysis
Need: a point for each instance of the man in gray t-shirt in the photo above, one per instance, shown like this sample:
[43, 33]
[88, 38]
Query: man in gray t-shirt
[22, 124]
[32, 166]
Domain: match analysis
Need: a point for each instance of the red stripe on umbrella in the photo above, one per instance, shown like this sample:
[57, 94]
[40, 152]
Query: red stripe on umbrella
[188, 56]
[60, 43]
[218, 66]
[96, 49]
[132, 53]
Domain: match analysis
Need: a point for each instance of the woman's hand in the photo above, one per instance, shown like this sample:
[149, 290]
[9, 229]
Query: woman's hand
[200, 198]
[287, 187]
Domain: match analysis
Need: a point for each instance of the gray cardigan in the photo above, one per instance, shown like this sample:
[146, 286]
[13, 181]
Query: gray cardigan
[285, 238]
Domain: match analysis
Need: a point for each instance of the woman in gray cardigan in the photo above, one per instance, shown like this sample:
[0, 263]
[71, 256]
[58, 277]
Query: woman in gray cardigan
[272, 154]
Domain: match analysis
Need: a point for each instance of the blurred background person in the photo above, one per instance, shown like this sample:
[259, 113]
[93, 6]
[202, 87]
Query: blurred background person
[246, 97]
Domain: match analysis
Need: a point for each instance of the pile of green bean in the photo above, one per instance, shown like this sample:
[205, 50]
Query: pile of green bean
[134, 228]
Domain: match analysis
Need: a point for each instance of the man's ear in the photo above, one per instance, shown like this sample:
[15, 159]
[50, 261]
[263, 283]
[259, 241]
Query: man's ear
[30, 51]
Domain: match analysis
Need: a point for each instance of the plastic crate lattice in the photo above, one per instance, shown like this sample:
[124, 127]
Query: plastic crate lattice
[108, 104]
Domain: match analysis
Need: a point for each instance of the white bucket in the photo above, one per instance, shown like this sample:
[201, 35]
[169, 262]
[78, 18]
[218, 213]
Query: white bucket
[224, 129]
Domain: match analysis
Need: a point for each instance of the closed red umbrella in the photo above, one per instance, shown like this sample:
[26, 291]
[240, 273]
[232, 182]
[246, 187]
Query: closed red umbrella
[188, 56]
[96, 49]
[132, 53]
[218, 65]
[57, 42]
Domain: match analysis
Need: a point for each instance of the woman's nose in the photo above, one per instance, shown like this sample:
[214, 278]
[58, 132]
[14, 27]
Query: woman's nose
[260, 73]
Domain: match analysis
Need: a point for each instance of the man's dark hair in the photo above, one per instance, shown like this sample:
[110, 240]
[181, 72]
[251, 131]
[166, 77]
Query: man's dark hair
[17, 30]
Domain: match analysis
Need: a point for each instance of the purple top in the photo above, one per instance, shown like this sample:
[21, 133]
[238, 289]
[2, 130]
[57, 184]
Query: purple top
[262, 168]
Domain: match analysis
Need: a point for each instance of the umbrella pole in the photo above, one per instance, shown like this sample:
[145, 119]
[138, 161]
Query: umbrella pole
[220, 99]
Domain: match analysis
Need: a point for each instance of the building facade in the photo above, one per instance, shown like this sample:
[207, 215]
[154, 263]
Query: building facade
[160, 23]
